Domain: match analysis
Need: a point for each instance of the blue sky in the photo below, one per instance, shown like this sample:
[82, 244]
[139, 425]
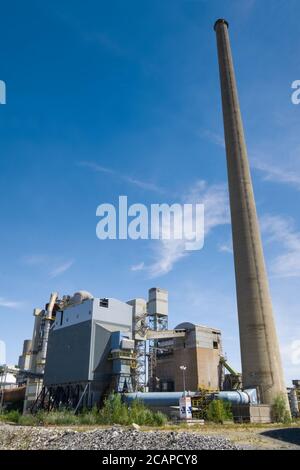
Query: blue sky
[113, 98]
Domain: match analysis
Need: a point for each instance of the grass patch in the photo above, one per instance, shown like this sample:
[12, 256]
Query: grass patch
[12, 416]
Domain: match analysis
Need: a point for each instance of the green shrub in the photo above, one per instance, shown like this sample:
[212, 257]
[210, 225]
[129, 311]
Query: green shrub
[114, 411]
[219, 411]
[279, 412]
[159, 419]
[12, 416]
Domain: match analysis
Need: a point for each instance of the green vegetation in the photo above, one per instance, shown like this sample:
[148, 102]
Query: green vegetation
[116, 412]
[12, 416]
[219, 411]
[112, 412]
[279, 412]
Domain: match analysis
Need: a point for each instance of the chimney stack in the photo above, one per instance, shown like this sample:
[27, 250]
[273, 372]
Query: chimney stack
[261, 361]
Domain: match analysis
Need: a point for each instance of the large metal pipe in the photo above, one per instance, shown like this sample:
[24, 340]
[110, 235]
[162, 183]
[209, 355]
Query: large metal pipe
[35, 338]
[238, 397]
[159, 399]
[165, 399]
[261, 361]
[48, 320]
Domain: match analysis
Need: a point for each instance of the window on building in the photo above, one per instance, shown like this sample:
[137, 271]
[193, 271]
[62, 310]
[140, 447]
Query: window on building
[215, 345]
[104, 303]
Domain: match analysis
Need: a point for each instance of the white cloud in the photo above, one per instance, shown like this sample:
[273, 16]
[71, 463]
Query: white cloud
[213, 137]
[270, 171]
[34, 260]
[294, 351]
[146, 185]
[56, 265]
[62, 268]
[138, 267]
[9, 303]
[167, 254]
[226, 248]
[281, 230]
[276, 174]
[215, 200]
[216, 212]
[291, 359]
[97, 168]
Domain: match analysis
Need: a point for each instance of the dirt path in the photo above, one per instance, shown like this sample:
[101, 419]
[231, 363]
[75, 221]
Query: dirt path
[268, 438]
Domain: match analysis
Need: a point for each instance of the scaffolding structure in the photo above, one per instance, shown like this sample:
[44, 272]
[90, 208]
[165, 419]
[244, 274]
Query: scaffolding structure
[200, 404]
[157, 321]
[139, 327]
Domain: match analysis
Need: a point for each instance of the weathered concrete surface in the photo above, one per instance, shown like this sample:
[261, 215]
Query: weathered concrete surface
[261, 362]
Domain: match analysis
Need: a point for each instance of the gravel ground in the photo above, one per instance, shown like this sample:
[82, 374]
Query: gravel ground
[115, 438]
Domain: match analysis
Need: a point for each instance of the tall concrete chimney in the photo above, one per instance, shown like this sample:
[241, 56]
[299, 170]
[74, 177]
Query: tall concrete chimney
[261, 361]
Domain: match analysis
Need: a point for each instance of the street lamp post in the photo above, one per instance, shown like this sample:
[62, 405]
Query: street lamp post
[183, 368]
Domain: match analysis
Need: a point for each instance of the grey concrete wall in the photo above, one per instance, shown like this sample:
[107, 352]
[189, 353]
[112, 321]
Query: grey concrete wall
[68, 355]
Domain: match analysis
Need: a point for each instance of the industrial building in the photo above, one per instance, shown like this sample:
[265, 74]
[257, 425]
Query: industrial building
[294, 398]
[83, 347]
[24, 359]
[199, 350]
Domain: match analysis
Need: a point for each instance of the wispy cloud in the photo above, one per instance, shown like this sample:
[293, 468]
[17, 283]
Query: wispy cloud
[293, 352]
[8, 303]
[226, 247]
[62, 268]
[245, 8]
[282, 231]
[276, 174]
[97, 168]
[34, 260]
[216, 212]
[213, 137]
[100, 38]
[45, 262]
[138, 267]
[106, 41]
[269, 170]
[142, 184]
[290, 351]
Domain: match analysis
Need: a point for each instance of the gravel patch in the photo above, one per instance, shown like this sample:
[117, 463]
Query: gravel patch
[115, 438]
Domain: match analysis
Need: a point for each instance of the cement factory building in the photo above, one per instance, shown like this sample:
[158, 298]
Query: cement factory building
[98, 345]
[199, 351]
